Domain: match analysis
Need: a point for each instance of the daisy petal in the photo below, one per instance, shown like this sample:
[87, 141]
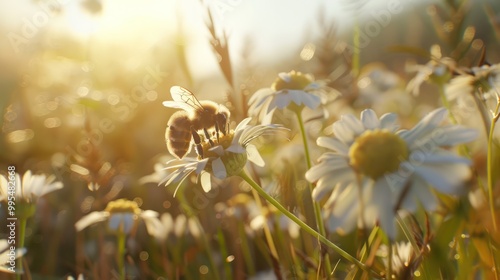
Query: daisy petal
[389, 121]
[333, 144]
[206, 181]
[219, 169]
[90, 219]
[369, 119]
[254, 156]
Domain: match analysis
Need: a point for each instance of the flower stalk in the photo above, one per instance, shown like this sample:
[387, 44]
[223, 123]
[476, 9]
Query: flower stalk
[120, 240]
[489, 163]
[316, 206]
[22, 234]
[303, 225]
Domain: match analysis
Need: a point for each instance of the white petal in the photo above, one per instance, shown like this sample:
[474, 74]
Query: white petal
[219, 169]
[280, 101]
[383, 200]
[115, 220]
[180, 225]
[343, 132]
[345, 212]
[326, 168]
[167, 225]
[206, 181]
[50, 188]
[268, 118]
[370, 119]
[153, 224]
[201, 165]
[194, 227]
[439, 178]
[339, 177]
[389, 121]
[438, 156]
[417, 194]
[453, 135]
[90, 219]
[259, 96]
[242, 124]
[430, 122]
[219, 150]
[254, 155]
[285, 77]
[333, 144]
[310, 100]
[236, 148]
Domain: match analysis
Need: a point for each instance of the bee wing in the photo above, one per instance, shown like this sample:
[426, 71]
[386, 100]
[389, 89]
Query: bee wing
[177, 105]
[183, 96]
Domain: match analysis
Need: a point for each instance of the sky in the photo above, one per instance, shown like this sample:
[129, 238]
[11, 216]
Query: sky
[275, 28]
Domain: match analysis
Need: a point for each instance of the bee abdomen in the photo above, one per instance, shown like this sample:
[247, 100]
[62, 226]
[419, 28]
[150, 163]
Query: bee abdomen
[178, 134]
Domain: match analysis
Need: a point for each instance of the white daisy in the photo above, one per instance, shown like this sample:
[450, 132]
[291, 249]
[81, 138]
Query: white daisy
[404, 259]
[167, 227]
[437, 70]
[292, 90]
[226, 158]
[8, 257]
[274, 218]
[486, 77]
[27, 191]
[122, 216]
[375, 169]
[31, 187]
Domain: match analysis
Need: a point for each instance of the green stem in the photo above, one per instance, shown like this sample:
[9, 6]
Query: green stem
[22, 234]
[187, 209]
[245, 248]
[490, 166]
[356, 48]
[121, 238]
[224, 253]
[489, 130]
[317, 207]
[267, 231]
[303, 225]
[389, 261]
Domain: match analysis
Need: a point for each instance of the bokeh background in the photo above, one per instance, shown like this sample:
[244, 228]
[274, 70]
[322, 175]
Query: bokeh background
[82, 82]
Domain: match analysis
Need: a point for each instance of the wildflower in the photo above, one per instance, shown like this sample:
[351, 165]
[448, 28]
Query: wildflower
[292, 90]
[376, 169]
[6, 258]
[381, 90]
[122, 216]
[275, 218]
[438, 70]
[167, 227]
[486, 77]
[226, 158]
[159, 172]
[404, 260]
[240, 207]
[27, 191]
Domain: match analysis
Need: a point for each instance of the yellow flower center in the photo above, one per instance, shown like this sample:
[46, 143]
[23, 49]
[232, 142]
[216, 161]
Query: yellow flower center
[377, 152]
[122, 206]
[224, 141]
[296, 80]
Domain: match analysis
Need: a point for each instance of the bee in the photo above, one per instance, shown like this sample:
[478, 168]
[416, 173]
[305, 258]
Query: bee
[184, 126]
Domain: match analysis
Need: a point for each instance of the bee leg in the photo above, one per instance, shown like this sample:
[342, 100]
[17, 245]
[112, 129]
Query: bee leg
[217, 131]
[197, 142]
[207, 135]
[222, 124]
